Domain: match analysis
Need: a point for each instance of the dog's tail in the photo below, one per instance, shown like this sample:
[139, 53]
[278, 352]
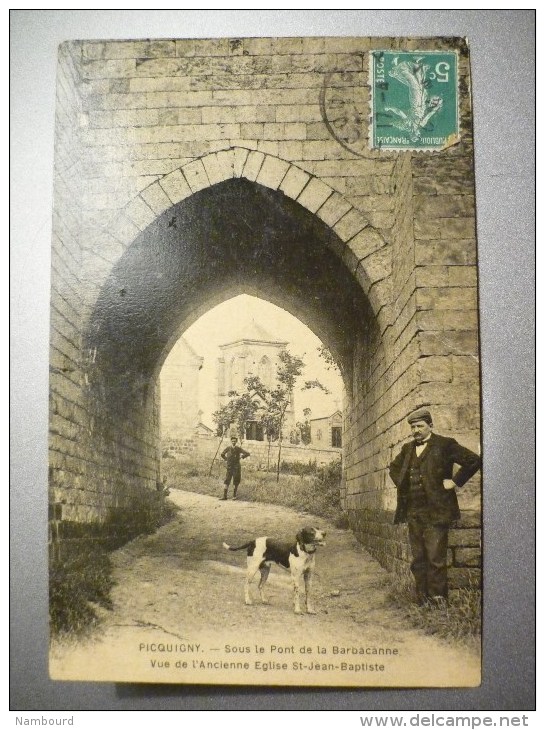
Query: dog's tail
[240, 547]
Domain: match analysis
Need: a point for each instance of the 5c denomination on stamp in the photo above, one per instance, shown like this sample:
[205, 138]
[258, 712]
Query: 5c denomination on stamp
[414, 100]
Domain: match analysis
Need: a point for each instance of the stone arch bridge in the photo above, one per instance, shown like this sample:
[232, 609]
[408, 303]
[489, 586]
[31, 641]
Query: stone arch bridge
[188, 172]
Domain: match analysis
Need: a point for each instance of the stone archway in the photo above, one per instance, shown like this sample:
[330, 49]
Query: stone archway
[231, 237]
[238, 221]
[145, 131]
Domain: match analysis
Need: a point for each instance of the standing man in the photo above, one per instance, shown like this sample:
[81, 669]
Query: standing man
[423, 473]
[232, 455]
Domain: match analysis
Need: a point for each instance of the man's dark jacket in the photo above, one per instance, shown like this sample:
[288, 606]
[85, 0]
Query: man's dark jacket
[232, 455]
[436, 463]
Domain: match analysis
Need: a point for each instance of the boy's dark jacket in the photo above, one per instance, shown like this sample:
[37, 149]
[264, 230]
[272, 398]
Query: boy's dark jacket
[437, 463]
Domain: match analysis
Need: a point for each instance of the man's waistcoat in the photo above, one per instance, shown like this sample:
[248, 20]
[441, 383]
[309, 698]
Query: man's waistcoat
[436, 463]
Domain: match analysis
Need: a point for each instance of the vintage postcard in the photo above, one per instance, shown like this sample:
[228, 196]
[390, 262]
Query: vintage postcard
[265, 385]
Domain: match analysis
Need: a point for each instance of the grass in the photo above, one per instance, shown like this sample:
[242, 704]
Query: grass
[314, 489]
[78, 583]
[458, 621]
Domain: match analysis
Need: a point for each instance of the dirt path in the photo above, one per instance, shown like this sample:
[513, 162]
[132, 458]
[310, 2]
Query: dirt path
[179, 613]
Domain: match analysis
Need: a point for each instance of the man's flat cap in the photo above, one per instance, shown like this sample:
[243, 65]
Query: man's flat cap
[422, 414]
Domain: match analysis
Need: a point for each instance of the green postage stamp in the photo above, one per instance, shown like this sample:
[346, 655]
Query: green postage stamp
[414, 100]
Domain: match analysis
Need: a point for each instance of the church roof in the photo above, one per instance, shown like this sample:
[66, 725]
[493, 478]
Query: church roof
[324, 418]
[253, 332]
[182, 352]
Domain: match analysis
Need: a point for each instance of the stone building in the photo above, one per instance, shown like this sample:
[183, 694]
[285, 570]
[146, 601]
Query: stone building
[251, 351]
[326, 432]
[190, 171]
[179, 382]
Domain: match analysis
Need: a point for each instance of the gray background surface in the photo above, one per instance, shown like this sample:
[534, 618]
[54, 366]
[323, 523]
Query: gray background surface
[502, 45]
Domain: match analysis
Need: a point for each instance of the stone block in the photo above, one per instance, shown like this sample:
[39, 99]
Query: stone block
[196, 176]
[375, 267]
[333, 209]
[462, 276]
[108, 69]
[284, 131]
[92, 51]
[240, 156]
[442, 252]
[282, 46]
[455, 228]
[258, 46]
[218, 166]
[176, 186]
[316, 130]
[366, 242]
[268, 147]
[139, 213]
[460, 319]
[252, 130]
[272, 172]
[435, 368]
[292, 151]
[465, 538]
[446, 298]
[156, 198]
[135, 117]
[432, 276]
[467, 557]
[314, 195]
[298, 113]
[444, 206]
[253, 165]
[446, 343]
[465, 368]
[350, 225]
[322, 150]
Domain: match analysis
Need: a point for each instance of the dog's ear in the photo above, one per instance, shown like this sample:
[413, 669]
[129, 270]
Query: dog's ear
[299, 537]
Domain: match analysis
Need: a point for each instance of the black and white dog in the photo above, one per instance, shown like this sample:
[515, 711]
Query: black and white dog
[298, 558]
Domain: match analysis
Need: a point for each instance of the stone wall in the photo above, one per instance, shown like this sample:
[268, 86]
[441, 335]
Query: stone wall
[206, 446]
[148, 131]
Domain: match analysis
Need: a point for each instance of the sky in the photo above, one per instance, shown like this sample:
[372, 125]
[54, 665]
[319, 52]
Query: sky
[225, 320]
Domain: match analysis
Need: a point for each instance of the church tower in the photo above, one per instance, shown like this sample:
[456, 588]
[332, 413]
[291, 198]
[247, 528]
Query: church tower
[251, 351]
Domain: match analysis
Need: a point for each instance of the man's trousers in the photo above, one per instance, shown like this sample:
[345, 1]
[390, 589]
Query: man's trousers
[233, 472]
[429, 544]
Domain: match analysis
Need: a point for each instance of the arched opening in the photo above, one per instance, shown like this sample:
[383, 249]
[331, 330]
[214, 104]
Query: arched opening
[234, 237]
[253, 333]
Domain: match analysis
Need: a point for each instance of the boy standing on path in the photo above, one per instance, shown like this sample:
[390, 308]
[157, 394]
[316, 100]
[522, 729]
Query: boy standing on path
[232, 455]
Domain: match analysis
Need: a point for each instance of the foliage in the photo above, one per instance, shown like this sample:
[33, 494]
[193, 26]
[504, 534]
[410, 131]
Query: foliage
[330, 362]
[303, 428]
[459, 620]
[78, 580]
[268, 405]
[299, 468]
[238, 410]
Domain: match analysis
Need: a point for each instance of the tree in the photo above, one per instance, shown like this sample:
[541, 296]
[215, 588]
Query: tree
[269, 406]
[238, 410]
[287, 372]
[330, 362]
[304, 427]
